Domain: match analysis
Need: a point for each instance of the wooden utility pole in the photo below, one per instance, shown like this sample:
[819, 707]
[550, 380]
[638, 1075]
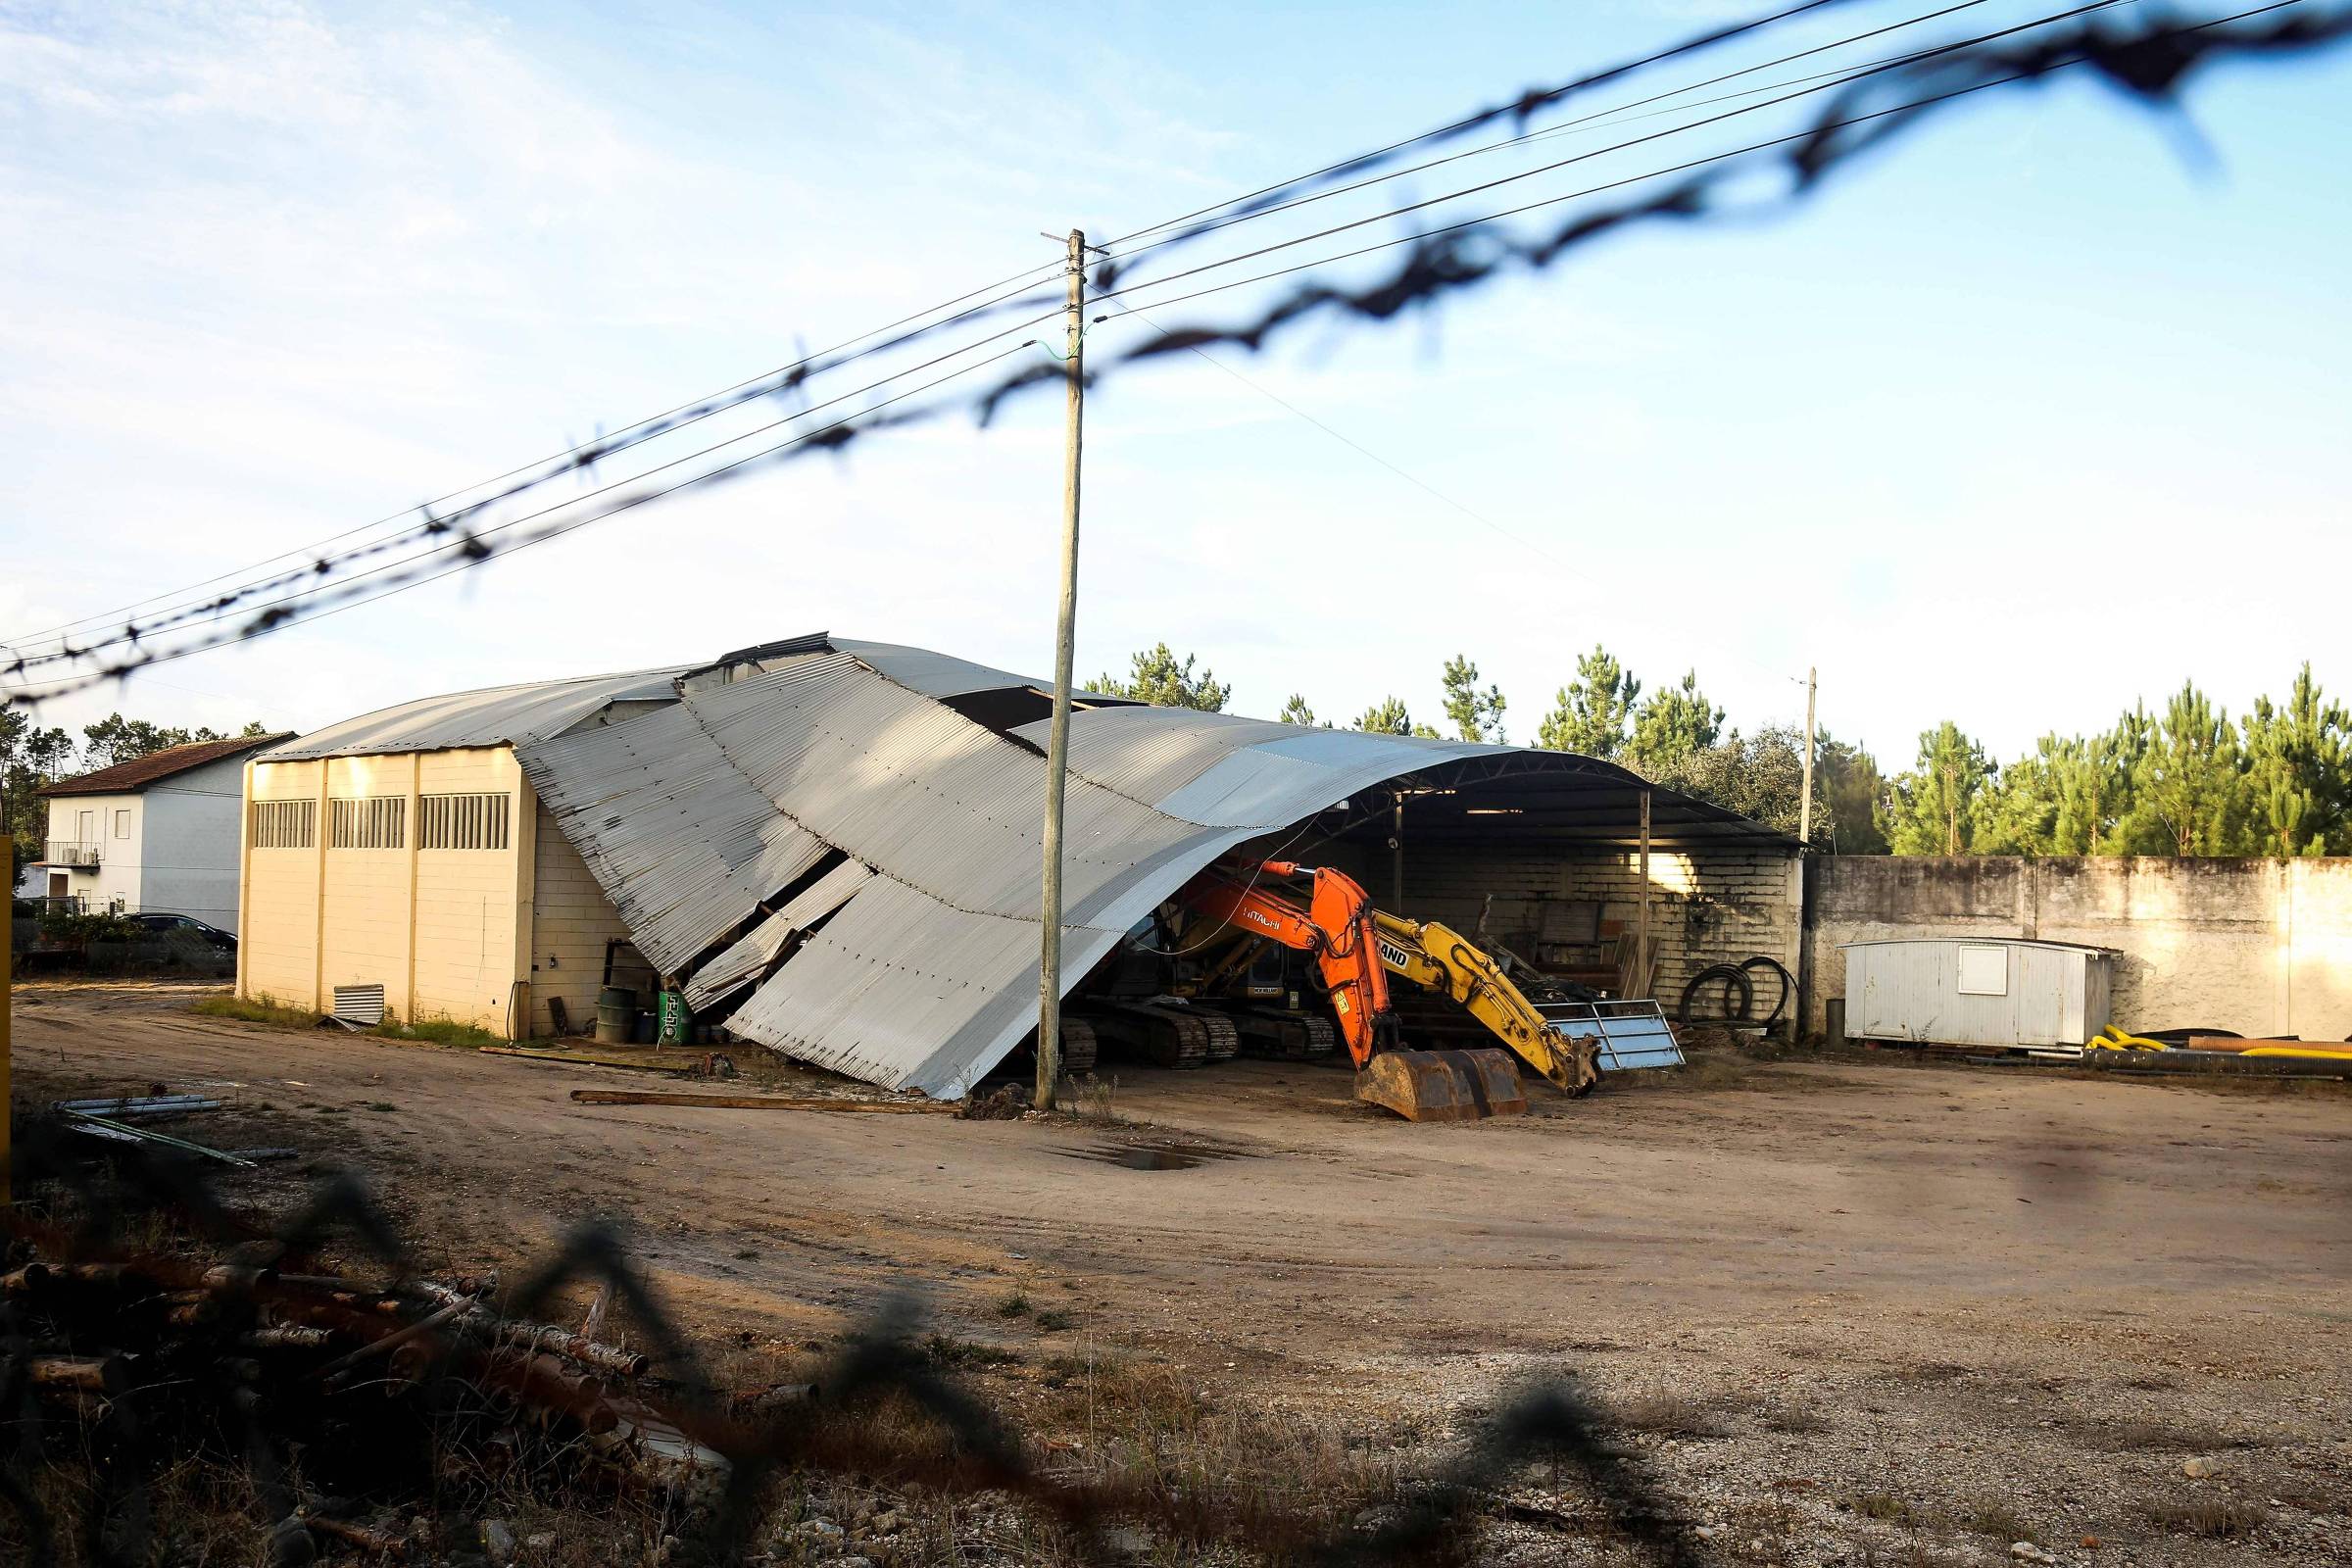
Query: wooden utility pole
[1057, 746]
[1805, 809]
[1641, 964]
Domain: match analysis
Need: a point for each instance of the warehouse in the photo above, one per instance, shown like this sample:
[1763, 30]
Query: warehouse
[832, 846]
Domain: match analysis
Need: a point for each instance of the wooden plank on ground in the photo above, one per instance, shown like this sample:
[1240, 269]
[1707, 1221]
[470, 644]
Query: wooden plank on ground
[683, 1063]
[635, 1097]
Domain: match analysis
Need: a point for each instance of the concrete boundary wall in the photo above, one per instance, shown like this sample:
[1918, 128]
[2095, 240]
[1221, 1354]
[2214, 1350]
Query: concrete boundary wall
[2255, 946]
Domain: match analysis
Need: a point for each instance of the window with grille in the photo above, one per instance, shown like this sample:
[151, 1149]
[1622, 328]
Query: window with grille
[285, 825]
[370, 823]
[462, 821]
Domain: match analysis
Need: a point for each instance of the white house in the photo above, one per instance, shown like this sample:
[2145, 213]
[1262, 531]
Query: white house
[158, 834]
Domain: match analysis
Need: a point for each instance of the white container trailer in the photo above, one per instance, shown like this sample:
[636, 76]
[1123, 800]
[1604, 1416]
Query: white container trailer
[2006, 993]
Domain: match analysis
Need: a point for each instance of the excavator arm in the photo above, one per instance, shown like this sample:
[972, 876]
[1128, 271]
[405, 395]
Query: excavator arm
[1336, 927]
[1356, 946]
[1440, 958]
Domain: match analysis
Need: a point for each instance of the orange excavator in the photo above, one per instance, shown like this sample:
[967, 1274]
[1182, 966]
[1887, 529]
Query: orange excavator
[1354, 948]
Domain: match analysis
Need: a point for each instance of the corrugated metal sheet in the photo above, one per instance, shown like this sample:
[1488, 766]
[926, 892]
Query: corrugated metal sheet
[905, 991]
[918, 790]
[676, 835]
[492, 717]
[736, 968]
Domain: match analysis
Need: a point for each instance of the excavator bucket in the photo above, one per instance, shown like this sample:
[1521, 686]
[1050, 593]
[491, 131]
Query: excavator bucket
[1443, 1085]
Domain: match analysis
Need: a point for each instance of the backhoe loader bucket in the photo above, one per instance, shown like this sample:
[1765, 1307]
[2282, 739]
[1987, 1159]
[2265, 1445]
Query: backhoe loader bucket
[1443, 1085]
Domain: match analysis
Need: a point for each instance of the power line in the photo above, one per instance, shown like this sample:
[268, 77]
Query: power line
[2149, 64]
[189, 608]
[1413, 479]
[1526, 104]
[473, 539]
[1601, 152]
[1550, 132]
[604, 446]
[344, 596]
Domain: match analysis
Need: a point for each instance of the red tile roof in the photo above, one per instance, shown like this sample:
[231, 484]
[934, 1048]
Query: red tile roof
[124, 779]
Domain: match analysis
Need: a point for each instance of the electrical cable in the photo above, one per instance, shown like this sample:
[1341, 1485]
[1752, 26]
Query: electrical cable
[250, 632]
[2031, 67]
[622, 439]
[1425, 235]
[1585, 122]
[1479, 518]
[1023, 279]
[1600, 151]
[1686, 47]
[605, 444]
[181, 616]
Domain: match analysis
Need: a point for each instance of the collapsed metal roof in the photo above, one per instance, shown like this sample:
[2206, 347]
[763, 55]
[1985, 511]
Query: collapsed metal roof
[843, 791]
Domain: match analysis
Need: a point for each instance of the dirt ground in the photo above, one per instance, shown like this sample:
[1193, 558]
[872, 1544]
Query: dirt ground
[1847, 1311]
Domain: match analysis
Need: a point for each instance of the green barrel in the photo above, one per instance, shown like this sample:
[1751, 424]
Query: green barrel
[615, 1014]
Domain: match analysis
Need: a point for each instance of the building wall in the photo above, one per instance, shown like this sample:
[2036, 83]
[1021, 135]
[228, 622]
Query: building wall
[439, 929]
[469, 903]
[115, 881]
[1711, 907]
[277, 939]
[188, 835]
[2256, 947]
[571, 921]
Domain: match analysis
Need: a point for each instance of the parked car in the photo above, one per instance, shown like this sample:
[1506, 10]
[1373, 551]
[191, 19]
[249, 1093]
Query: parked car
[185, 925]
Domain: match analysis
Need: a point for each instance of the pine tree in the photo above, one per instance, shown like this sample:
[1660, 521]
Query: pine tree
[1671, 725]
[1592, 713]
[2299, 771]
[1296, 711]
[1849, 797]
[1477, 715]
[1158, 679]
[1388, 716]
[2188, 782]
[1930, 809]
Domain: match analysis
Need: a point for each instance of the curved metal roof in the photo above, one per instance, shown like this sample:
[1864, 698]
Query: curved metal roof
[701, 820]
[494, 716]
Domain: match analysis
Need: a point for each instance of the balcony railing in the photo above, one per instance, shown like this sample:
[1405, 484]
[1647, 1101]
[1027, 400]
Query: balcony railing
[68, 852]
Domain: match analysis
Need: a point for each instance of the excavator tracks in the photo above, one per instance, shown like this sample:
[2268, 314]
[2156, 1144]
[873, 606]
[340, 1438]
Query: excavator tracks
[1288, 1035]
[1080, 1049]
[1224, 1038]
[1166, 1037]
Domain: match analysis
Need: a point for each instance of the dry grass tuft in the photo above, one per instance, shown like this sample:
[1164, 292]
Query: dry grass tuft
[2215, 1517]
[262, 1009]
[2146, 1435]
[1884, 1507]
[1668, 1415]
[1794, 1420]
[1989, 1514]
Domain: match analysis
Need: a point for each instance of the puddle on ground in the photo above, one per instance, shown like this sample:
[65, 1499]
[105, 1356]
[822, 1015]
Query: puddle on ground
[1150, 1157]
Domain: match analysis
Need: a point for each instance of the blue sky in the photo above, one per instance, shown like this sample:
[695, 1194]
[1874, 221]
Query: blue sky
[2032, 415]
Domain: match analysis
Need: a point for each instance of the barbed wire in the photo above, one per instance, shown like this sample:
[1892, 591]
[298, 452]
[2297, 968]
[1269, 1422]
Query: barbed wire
[2148, 64]
[224, 1346]
[785, 382]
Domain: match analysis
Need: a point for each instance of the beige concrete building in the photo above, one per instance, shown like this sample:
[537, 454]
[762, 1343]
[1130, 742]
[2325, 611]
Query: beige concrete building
[406, 849]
